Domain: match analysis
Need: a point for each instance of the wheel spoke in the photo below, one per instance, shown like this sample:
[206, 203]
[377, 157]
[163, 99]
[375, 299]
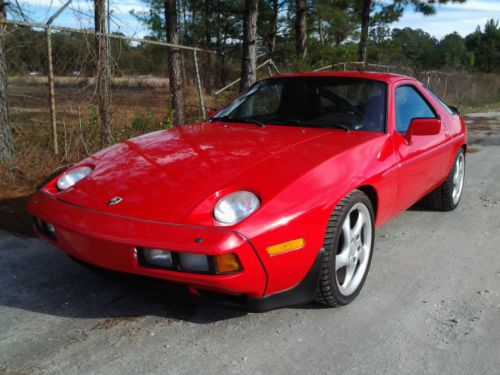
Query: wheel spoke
[346, 228]
[458, 179]
[342, 260]
[349, 273]
[359, 224]
[362, 254]
[456, 175]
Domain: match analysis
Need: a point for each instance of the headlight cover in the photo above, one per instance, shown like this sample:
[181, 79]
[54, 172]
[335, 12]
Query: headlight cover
[71, 177]
[235, 207]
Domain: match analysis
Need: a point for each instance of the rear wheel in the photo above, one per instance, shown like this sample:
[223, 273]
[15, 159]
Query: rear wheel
[447, 196]
[348, 248]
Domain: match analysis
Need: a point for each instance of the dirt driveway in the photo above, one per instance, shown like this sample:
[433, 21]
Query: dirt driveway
[431, 305]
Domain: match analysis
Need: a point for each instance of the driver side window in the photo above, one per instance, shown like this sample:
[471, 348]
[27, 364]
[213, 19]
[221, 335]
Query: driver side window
[409, 105]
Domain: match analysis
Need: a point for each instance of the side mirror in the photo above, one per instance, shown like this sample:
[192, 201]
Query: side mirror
[423, 126]
[211, 112]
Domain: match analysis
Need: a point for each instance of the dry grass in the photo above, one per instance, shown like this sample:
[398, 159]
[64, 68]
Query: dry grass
[136, 111]
[141, 104]
[74, 81]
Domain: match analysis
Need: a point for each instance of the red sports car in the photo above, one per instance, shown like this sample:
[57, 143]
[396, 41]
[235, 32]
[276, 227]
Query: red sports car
[273, 200]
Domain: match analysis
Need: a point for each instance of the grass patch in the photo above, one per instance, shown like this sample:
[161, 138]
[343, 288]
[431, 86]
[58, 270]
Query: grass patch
[136, 110]
[481, 107]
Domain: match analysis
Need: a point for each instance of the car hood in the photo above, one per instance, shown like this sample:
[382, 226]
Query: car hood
[164, 175]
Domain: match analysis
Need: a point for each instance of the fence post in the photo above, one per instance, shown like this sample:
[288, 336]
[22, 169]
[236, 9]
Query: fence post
[445, 86]
[52, 99]
[198, 83]
[269, 69]
[274, 66]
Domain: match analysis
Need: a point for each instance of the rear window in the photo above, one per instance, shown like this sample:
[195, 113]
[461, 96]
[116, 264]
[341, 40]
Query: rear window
[443, 104]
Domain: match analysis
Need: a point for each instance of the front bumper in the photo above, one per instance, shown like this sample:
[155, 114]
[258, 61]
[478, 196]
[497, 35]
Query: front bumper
[110, 241]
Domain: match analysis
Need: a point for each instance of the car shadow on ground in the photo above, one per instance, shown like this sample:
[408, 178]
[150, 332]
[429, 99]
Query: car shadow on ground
[13, 216]
[36, 277]
[420, 207]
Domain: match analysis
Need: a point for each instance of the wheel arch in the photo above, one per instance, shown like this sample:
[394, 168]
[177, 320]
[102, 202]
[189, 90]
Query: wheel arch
[372, 194]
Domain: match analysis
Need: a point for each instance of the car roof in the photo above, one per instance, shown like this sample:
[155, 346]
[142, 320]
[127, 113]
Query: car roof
[379, 76]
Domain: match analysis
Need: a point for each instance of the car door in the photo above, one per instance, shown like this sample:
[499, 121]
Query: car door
[421, 160]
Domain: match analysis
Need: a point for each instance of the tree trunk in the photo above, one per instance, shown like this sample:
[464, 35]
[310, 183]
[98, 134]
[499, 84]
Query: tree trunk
[338, 40]
[274, 28]
[222, 63]
[249, 60]
[365, 23]
[320, 31]
[6, 146]
[219, 80]
[206, 21]
[174, 62]
[103, 76]
[301, 28]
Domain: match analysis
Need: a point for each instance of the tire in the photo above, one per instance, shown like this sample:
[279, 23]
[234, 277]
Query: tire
[335, 287]
[447, 196]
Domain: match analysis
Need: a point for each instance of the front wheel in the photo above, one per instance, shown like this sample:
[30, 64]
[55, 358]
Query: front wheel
[348, 248]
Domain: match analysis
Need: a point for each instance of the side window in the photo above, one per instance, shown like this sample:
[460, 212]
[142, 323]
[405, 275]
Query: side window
[410, 105]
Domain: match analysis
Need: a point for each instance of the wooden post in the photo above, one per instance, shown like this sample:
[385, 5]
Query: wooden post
[52, 98]
[445, 87]
[198, 84]
[271, 61]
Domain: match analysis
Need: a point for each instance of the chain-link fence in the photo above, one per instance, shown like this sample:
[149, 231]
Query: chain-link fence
[456, 88]
[68, 119]
[140, 93]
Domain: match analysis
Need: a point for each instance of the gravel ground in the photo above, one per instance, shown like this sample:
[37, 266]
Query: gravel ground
[431, 304]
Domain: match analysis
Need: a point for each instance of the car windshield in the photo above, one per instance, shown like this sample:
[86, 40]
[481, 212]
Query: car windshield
[323, 102]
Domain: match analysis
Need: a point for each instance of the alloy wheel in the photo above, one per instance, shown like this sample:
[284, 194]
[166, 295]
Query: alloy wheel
[355, 244]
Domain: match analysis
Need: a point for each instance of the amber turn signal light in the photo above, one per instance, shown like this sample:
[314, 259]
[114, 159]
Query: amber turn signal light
[284, 247]
[227, 263]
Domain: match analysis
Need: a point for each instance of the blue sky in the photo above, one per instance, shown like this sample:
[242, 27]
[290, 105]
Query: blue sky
[463, 18]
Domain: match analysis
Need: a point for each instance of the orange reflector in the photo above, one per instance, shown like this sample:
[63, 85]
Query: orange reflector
[286, 246]
[227, 263]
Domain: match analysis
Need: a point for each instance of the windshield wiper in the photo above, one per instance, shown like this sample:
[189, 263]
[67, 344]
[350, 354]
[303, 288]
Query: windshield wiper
[241, 120]
[314, 124]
